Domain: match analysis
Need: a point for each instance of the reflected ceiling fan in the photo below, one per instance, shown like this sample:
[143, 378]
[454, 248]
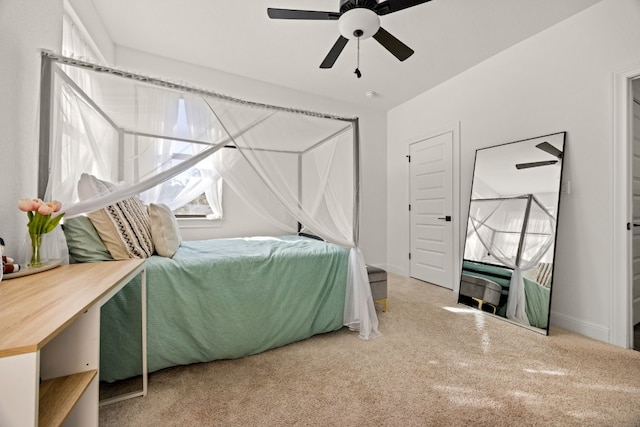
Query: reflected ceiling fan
[544, 146]
[357, 19]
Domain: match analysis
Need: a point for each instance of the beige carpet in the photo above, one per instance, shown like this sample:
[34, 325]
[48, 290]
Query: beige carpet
[437, 364]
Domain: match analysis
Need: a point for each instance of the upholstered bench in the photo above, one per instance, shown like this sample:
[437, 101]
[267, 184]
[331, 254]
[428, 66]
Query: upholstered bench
[481, 290]
[378, 281]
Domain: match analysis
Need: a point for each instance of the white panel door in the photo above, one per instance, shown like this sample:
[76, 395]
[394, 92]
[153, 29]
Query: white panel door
[636, 213]
[431, 209]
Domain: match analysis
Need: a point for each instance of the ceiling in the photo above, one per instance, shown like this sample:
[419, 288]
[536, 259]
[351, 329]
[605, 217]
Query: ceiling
[448, 37]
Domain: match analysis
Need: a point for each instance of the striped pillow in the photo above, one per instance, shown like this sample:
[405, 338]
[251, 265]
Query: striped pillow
[124, 227]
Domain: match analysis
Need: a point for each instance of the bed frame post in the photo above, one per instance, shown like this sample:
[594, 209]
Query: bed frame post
[524, 230]
[300, 187]
[45, 125]
[120, 155]
[356, 180]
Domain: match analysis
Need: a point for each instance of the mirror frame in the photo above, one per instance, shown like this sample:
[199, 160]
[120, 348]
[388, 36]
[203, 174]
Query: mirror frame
[488, 285]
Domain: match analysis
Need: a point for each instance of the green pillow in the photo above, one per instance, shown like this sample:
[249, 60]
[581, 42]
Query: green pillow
[83, 240]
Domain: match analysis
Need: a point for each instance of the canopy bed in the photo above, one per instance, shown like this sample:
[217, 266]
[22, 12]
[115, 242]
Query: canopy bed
[122, 150]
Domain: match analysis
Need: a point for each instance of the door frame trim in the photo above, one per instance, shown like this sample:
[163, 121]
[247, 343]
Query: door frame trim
[454, 129]
[620, 332]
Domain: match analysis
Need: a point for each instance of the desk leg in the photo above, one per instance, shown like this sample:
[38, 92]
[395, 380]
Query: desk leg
[19, 376]
[143, 309]
[144, 332]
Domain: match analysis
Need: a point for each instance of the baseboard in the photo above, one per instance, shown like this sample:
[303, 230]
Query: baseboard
[588, 329]
[399, 270]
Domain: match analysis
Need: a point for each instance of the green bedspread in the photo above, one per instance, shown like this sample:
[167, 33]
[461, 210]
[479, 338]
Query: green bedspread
[222, 299]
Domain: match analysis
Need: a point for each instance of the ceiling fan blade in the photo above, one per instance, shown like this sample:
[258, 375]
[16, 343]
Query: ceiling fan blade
[334, 52]
[545, 146]
[535, 164]
[391, 6]
[302, 14]
[393, 45]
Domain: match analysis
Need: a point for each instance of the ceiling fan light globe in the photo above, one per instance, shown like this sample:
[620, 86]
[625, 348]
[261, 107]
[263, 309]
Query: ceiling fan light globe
[361, 19]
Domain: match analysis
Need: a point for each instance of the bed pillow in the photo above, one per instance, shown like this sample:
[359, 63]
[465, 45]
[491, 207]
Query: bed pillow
[89, 186]
[164, 230]
[83, 240]
[124, 227]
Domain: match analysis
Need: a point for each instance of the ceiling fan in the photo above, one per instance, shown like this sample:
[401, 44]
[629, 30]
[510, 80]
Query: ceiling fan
[544, 146]
[357, 19]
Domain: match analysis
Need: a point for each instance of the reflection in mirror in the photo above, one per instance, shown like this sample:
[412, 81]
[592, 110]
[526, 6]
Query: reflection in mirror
[507, 267]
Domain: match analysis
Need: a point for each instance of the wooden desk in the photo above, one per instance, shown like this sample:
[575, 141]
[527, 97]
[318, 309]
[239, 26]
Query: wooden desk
[50, 331]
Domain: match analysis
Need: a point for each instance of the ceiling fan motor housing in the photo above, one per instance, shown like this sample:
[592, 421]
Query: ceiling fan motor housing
[352, 4]
[359, 22]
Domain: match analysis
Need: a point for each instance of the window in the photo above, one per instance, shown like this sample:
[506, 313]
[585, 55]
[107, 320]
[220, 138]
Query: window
[195, 192]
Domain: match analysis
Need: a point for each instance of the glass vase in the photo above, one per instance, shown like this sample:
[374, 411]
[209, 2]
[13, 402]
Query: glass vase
[36, 244]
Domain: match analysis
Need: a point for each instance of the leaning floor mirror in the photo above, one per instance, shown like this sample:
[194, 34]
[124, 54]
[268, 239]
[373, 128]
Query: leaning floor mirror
[508, 261]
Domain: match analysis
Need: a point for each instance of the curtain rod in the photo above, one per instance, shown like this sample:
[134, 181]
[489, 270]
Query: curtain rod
[177, 86]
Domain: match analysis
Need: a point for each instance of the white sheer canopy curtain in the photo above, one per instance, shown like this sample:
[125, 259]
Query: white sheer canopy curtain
[81, 141]
[126, 131]
[185, 121]
[518, 232]
[305, 163]
[292, 165]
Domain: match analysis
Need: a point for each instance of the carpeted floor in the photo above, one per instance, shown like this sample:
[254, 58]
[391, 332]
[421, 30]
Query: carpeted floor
[437, 364]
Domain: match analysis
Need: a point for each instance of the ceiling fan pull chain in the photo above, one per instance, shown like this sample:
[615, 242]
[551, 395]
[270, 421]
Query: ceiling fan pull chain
[357, 71]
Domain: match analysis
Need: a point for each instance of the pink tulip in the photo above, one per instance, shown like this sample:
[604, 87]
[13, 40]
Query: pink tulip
[46, 208]
[25, 205]
[57, 205]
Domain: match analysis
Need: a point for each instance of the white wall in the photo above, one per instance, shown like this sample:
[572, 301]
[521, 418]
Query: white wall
[25, 27]
[558, 80]
[87, 13]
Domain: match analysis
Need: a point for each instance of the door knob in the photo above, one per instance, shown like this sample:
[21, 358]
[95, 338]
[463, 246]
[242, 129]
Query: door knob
[446, 218]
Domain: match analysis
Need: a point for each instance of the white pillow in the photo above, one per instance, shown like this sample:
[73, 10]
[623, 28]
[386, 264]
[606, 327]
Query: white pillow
[164, 230]
[124, 227]
[89, 186]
